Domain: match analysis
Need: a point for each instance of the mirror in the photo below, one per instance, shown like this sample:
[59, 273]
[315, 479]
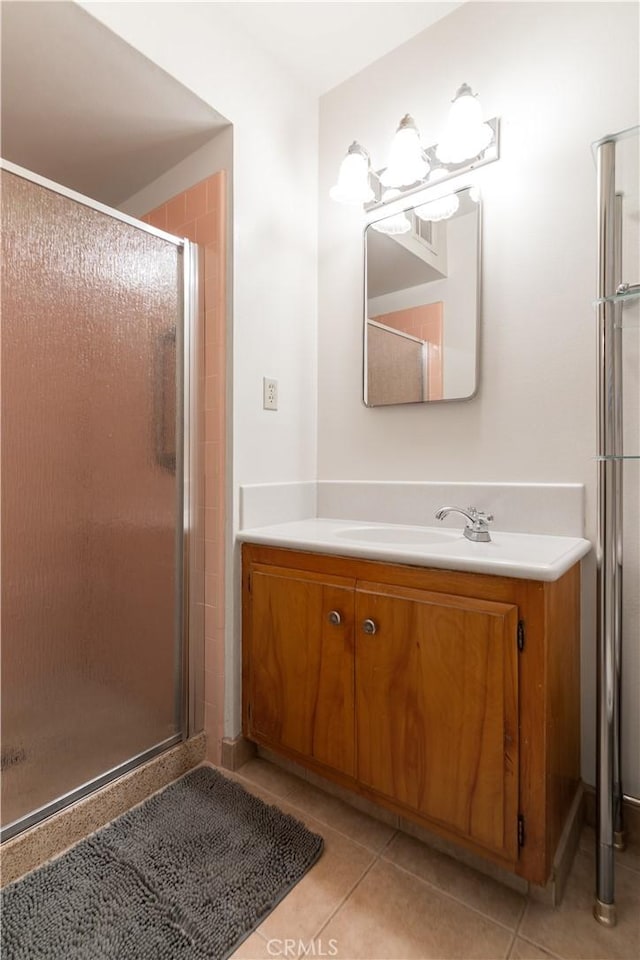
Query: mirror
[422, 270]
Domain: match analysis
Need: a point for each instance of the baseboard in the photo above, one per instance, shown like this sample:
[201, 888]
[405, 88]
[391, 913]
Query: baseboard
[53, 836]
[236, 752]
[553, 892]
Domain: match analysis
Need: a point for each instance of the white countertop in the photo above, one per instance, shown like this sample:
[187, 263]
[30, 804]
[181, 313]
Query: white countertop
[522, 555]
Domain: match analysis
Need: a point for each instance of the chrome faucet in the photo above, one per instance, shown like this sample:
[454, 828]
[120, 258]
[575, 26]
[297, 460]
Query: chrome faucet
[476, 528]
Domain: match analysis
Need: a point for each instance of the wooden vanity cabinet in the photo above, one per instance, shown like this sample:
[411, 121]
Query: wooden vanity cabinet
[450, 698]
[437, 708]
[300, 666]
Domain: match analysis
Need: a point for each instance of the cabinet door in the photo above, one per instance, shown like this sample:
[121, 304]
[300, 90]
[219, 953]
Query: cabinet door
[301, 687]
[437, 709]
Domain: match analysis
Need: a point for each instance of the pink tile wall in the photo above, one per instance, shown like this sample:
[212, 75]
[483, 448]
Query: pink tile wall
[424, 322]
[200, 215]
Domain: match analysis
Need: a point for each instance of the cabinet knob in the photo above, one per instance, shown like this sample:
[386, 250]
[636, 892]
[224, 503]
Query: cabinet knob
[335, 618]
[369, 626]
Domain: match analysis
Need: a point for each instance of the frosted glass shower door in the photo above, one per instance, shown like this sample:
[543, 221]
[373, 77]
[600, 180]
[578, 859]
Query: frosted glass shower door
[91, 495]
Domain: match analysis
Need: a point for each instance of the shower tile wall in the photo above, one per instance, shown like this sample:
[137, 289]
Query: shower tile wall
[200, 215]
[424, 322]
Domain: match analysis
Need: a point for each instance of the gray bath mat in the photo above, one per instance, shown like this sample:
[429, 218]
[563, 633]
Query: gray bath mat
[186, 876]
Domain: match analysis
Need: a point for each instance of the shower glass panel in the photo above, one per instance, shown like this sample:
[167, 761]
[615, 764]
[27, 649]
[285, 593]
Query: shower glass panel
[92, 505]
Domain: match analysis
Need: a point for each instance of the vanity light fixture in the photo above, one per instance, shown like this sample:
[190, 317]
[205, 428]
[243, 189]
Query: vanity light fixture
[466, 135]
[440, 209]
[353, 179]
[407, 160]
[468, 142]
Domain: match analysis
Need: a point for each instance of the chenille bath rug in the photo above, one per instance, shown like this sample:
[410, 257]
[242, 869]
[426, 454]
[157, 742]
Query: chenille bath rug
[185, 876]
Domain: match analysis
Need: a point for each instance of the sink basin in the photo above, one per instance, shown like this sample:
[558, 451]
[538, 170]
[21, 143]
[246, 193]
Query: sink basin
[524, 555]
[397, 535]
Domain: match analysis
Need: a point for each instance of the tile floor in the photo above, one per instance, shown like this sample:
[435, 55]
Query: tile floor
[378, 894]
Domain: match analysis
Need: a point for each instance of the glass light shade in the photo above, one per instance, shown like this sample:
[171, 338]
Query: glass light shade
[392, 226]
[440, 209]
[395, 224]
[407, 161]
[466, 135]
[353, 179]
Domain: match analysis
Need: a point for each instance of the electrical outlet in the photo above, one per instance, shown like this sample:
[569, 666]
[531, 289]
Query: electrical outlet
[269, 394]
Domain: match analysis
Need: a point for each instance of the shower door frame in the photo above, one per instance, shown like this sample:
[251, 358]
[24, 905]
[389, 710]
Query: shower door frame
[188, 651]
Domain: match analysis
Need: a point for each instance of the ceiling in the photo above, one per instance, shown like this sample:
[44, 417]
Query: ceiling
[83, 108]
[323, 44]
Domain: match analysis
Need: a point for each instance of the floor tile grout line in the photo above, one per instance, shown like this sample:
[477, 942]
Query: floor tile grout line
[525, 907]
[511, 946]
[587, 849]
[450, 896]
[379, 855]
[540, 946]
[627, 869]
[256, 783]
[460, 863]
[516, 932]
[388, 843]
[317, 933]
[325, 823]
[346, 897]
[348, 806]
[376, 859]
[374, 855]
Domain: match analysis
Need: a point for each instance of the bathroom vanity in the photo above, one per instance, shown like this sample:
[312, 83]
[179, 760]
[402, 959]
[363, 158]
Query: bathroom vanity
[449, 696]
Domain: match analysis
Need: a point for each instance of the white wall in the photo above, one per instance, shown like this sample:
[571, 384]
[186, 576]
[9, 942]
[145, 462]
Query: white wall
[274, 247]
[216, 154]
[560, 75]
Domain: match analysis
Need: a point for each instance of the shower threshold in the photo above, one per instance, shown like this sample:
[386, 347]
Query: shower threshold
[79, 793]
[67, 739]
[53, 835]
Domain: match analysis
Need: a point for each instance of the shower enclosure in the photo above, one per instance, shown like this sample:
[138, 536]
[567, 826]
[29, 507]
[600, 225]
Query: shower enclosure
[99, 319]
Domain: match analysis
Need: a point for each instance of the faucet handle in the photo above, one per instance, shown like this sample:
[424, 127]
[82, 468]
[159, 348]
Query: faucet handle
[478, 529]
[480, 517]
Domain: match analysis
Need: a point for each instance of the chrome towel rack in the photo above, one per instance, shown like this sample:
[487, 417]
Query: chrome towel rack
[612, 292]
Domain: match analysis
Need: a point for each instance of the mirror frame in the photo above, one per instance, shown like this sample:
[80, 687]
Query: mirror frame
[410, 202]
